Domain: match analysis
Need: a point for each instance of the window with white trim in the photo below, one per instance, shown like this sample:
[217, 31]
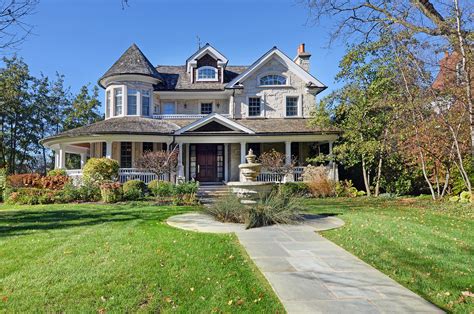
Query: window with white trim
[108, 100]
[272, 79]
[291, 106]
[118, 101]
[132, 102]
[206, 108]
[145, 102]
[207, 73]
[254, 107]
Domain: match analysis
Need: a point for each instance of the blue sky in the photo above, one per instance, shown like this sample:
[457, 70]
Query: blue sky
[83, 38]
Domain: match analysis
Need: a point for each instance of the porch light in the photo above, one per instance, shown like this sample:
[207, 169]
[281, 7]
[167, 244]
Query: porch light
[218, 105]
[185, 105]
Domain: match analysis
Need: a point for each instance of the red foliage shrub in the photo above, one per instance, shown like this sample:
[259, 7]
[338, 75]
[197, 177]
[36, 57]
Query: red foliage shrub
[56, 182]
[27, 180]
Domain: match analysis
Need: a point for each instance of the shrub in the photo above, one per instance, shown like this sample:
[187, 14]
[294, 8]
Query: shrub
[89, 192]
[98, 170]
[275, 209]
[27, 180]
[161, 188]
[56, 172]
[3, 182]
[190, 187]
[69, 193]
[134, 190]
[465, 197]
[32, 196]
[454, 199]
[318, 182]
[55, 182]
[293, 188]
[111, 192]
[228, 209]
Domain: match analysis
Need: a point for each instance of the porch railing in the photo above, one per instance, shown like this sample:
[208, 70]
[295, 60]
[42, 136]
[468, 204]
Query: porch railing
[183, 116]
[266, 176]
[125, 174]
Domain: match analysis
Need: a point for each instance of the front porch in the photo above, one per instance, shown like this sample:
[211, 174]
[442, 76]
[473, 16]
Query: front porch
[209, 163]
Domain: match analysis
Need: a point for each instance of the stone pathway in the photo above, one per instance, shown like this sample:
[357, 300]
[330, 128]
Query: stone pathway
[309, 273]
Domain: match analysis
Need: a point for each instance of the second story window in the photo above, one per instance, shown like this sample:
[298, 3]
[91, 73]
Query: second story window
[118, 101]
[108, 100]
[291, 106]
[273, 79]
[207, 74]
[206, 108]
[254, 107]
[145, 103]
[131, 102]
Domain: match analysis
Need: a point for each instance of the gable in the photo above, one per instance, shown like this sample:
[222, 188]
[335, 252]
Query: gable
[207, 60]
[213, 126]
[221, 123]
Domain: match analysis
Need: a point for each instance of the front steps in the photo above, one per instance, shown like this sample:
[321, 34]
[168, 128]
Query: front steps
[207, 194]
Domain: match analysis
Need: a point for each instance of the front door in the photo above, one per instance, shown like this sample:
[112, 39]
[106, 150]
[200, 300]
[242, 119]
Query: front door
[206, 159]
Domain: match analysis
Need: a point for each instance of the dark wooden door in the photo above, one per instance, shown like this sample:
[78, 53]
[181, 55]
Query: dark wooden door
[206, 157]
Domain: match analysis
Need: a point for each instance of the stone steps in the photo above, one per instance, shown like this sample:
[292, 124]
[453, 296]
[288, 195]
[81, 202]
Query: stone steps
[207, 194]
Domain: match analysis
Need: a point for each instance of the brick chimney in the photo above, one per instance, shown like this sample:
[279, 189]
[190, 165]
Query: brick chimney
[302, 57]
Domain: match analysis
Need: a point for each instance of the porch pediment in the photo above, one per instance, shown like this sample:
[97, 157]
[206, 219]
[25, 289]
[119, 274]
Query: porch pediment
[214, 123]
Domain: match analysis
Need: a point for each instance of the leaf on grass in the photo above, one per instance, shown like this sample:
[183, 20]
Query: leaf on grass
[468, 294]
[5, 298]
[230, 302]
[168, 300]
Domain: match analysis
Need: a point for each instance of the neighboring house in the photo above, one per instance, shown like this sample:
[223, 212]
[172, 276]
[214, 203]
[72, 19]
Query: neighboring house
[214, 113]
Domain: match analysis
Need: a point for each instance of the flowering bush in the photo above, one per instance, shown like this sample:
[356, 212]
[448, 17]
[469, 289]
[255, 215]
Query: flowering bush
[98, 170]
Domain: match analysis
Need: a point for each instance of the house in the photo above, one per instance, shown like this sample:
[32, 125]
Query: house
[213, 111]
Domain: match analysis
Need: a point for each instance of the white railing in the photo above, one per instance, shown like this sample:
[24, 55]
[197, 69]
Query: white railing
[127, 174]
[266, 176]
[178, 116]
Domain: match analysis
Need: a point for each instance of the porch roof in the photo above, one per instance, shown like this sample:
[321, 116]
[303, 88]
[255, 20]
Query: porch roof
[148, 126]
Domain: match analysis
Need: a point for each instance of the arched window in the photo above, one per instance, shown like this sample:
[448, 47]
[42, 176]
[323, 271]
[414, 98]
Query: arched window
[272, 79]
[207, 74]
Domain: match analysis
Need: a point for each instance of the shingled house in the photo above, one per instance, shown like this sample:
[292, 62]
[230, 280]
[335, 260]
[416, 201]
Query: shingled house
[214, 113]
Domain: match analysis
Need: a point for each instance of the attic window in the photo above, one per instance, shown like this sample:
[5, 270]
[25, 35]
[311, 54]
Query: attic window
[207, 73]
[273, 79]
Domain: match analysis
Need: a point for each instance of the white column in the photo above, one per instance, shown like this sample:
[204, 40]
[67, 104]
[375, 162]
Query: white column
[187, 162]
[330, 148]
[83, 160]
[139, 102]
[108, 149]
[226, 162]
[288, 152]
[180, 161]
[242, 152]
[231, 106]
[62, 157]
[56, 159]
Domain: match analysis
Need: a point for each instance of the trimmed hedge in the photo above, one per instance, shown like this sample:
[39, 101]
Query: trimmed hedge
[98, 170]
[134, 190]
[32, 196]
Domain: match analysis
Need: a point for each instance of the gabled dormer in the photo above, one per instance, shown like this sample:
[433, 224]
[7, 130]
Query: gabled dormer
[206, 65]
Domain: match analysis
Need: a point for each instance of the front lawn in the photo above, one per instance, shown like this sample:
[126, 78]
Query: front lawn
[426, 246]
[121, 258]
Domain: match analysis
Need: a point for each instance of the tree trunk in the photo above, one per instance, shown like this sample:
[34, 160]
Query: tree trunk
[366, 178]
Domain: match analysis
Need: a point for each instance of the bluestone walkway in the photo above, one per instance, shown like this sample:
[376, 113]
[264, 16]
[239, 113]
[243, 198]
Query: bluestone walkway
[309, 273]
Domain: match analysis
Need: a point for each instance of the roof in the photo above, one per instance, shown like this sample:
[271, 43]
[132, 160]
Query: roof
[447, 71]
[149, 126]
[132, 61]
[175, 77]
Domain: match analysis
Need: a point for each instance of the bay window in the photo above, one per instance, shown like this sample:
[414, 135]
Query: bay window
[145, 103]
[132, 102]
[118, 101]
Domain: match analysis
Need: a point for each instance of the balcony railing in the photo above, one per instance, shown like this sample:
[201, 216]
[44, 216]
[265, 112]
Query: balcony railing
[179, 116]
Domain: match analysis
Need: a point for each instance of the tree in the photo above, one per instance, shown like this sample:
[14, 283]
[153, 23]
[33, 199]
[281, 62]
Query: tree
[84, 109]
[444, 25]
[13, 29]
[160, 162]
[275, 162]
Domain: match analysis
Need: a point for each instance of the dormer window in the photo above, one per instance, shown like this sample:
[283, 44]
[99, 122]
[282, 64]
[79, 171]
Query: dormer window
[207, 74]
[272, 80]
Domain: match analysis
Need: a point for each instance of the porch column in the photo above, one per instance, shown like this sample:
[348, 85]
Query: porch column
[83, 159]
[330, 148]
[180, 162]
[226, 162]
[62, 157]
[288, 152]
[243, 146]
[187, 162]
[108, 149]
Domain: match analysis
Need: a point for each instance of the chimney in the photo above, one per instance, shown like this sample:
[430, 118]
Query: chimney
[302, 57]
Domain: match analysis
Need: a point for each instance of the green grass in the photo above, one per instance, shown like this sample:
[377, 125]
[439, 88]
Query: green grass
[121, 258]
[426, 246]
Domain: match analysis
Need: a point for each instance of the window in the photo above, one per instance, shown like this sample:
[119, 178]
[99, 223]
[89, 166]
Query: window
[206, 108]
[118, 101]
[273, 79]
[126, 154]
[145, 103]
[291, 106]
[131, 102]
[147, 147]
[169, 108]
[104, 149]
[207, 74]
[254, 106]
[107, 103]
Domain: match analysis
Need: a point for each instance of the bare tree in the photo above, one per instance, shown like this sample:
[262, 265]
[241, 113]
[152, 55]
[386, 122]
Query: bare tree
[275, 162]
[13, 28]
[160, 163]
